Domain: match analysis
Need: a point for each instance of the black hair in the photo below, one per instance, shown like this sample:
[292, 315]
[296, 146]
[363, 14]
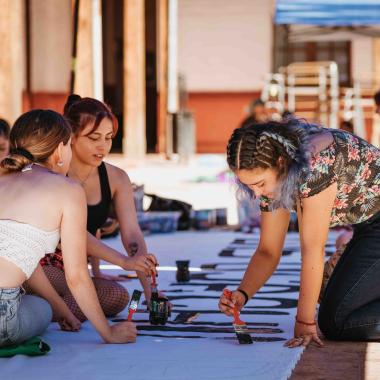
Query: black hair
[376, 98]
[4, 129]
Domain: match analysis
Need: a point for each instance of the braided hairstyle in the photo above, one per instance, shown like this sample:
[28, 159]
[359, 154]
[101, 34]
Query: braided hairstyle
[261, 145]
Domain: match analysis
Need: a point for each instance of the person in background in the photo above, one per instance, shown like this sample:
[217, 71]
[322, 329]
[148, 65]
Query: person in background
[376, 98]
[4, 138]
[346, 125]
[257, 113]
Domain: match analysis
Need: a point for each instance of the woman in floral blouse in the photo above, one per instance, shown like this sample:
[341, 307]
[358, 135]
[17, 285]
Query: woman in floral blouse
[329, 177]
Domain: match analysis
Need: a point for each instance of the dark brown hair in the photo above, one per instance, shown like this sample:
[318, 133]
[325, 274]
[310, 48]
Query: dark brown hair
[82, 111]
[4, 129]
[34, 137]
[376, 98]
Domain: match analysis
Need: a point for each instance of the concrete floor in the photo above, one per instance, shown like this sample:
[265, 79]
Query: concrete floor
[194, 182]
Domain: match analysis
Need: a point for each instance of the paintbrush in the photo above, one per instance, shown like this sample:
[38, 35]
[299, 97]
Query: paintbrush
[240, 327]
[133, 304]
[153, 285]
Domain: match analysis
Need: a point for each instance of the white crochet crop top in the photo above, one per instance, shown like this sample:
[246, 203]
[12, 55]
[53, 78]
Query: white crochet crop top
[25, 245]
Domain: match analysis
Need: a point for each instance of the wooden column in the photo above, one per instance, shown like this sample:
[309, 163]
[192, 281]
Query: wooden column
[134, 142]
[84, 85]
[162, 53]
[12, 65]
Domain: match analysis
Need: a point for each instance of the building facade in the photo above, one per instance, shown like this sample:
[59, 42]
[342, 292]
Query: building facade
[129, 53]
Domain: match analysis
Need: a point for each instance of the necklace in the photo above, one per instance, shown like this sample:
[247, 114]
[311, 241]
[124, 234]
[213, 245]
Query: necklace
[83, 181]
[29, 167]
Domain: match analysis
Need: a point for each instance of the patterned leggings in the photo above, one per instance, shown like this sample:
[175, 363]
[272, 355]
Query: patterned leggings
[113, 297]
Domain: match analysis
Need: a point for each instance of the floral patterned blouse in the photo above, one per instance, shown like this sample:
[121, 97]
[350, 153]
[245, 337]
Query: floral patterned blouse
[355, 165]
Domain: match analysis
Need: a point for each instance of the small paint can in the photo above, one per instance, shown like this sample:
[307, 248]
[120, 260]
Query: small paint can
[183, 272]
[221, 216]
[159, 310]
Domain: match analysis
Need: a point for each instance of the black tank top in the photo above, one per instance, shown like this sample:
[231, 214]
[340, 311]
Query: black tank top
[97, 214]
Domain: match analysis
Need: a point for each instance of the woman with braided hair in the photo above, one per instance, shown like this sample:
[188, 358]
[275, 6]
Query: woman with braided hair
[329, 177]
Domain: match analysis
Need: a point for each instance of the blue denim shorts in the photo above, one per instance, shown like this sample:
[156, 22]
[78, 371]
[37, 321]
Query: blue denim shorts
[9, 303]
[22, 316]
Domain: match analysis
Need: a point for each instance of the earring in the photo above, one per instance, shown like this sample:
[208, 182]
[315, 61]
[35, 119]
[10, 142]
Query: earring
[60, 163]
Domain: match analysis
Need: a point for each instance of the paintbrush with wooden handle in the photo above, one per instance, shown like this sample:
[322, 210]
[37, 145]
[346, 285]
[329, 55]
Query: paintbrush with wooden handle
[240, 327]
[133, 304]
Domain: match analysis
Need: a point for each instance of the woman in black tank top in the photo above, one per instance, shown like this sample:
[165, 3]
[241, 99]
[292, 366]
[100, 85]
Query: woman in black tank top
[105, 185]
[97, 214]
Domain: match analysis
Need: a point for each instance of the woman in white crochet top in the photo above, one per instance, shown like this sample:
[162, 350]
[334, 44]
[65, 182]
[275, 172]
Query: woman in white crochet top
[39, 206]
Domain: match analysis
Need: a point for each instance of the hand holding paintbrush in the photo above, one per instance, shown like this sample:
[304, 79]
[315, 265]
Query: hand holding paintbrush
[228, 302]
[240, 327]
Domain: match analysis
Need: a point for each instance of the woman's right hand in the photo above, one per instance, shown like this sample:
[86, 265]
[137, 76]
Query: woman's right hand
[143, 263]
[123, 332]
[226, 305]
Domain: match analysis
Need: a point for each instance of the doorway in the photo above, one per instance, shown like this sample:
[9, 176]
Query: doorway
[113, 80]
[112, 33]
[151, 75]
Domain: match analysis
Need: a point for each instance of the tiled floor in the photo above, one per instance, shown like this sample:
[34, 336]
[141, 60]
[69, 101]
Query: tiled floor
[338, 360]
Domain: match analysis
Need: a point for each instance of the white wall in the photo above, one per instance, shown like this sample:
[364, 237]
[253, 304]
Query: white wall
[362, 59]
[51, 45]
[12, 58]
[225, 45]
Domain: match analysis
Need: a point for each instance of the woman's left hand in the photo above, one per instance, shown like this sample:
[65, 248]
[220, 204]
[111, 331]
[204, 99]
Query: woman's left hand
[69, 322]
[160, 294]
[303, 336]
